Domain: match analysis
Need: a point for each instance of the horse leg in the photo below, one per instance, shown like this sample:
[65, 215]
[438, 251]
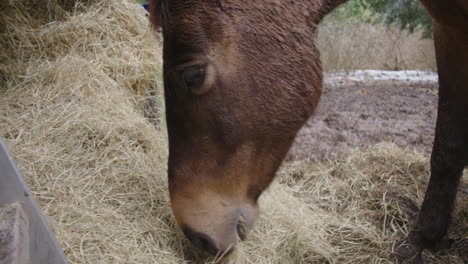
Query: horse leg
[450, 151]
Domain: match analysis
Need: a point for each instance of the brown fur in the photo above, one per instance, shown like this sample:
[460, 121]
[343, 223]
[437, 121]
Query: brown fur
[263, 81]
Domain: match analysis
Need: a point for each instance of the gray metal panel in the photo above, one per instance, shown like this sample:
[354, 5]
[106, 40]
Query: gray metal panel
[44, 248]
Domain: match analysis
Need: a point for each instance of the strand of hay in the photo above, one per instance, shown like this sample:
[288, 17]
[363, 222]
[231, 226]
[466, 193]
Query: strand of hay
[72, 102]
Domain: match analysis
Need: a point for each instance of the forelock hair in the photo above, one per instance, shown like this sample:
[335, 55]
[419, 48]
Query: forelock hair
[159, 12]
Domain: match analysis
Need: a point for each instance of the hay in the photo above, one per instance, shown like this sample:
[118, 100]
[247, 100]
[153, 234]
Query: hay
[72, 102]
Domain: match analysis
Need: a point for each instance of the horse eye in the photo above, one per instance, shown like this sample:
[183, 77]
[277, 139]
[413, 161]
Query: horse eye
[194, 77]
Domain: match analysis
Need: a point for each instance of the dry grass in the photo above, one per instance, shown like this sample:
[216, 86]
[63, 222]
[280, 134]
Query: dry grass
[355, 45]
[72, 111]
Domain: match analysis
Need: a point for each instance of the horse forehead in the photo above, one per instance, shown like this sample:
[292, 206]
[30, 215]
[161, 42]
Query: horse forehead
[196, 23]
[192, 8]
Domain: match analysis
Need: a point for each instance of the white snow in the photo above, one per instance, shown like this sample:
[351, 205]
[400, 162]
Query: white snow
[377, 75]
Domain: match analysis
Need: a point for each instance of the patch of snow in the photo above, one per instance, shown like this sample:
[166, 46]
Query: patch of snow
[410, 76]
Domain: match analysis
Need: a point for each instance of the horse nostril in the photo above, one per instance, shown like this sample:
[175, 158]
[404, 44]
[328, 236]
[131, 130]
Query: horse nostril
[201, 241]
[241, 232]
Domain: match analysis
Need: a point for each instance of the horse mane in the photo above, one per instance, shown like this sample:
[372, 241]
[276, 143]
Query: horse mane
[159, 13]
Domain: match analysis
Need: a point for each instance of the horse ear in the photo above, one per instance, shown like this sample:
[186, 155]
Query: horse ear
[327, 6]
[158, 13]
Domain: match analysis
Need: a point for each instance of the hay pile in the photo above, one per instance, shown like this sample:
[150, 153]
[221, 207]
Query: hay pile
[74, 81]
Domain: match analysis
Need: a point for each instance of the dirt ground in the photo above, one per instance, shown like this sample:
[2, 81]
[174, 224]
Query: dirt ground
[363, 113]
[360, 114]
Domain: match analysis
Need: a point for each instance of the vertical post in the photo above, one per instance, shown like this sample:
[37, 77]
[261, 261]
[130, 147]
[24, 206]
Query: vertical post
[43, 246]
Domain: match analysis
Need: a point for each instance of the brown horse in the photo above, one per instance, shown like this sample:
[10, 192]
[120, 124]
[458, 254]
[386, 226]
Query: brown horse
[242, 77]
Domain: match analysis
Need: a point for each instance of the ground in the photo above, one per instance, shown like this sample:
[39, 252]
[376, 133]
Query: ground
[356, 112]
[361, 112]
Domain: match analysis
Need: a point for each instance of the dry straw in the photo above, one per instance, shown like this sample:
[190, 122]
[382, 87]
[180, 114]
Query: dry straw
[352, 45]
[73, 92]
